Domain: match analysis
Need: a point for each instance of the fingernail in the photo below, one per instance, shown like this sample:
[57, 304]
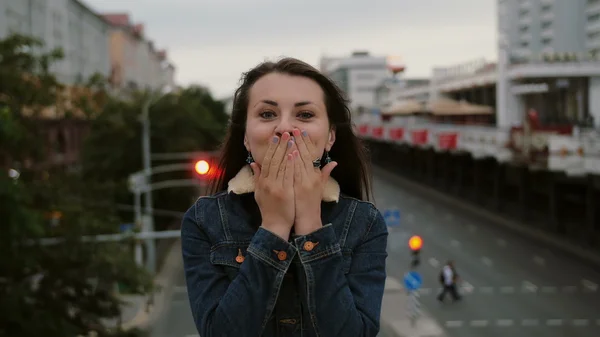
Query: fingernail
[304, 133]
[290, 143]
[275, 139]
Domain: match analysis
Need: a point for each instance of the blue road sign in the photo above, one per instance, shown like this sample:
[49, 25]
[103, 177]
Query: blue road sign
[126, 227]
[412, 280]
[391, 217]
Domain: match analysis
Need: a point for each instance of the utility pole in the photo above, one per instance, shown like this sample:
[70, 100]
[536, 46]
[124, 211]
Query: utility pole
[148, 223]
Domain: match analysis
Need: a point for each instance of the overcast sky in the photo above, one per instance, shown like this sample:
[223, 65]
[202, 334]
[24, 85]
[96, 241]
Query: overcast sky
[211, 42]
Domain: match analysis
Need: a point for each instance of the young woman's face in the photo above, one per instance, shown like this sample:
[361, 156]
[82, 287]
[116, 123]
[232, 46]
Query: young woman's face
[280, 103]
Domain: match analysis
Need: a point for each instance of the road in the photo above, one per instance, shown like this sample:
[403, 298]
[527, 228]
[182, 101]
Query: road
[511, 285]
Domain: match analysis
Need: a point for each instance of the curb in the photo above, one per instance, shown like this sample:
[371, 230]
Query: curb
[516, 226]
[164, 279]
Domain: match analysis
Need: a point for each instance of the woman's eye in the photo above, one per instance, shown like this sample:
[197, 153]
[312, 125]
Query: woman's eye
[267, 114]
[305, 114]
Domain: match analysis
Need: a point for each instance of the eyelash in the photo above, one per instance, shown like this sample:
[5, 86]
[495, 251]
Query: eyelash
[262, 114]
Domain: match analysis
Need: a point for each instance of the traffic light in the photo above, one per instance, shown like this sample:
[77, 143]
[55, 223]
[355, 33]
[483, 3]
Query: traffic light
[206, 169]
[202, 167]
[415, 243]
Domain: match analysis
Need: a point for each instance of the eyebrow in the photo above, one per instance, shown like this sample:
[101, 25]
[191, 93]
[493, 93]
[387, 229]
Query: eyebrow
[273, 103]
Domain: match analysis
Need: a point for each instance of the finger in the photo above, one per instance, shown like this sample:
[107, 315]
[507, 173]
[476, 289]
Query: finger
[326, 171]
[282, 167]
[305, 154]
[279, 155]
[288, 179]
[269, 155]
[297, 167]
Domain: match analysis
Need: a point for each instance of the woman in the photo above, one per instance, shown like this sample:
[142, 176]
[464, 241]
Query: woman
[286, 246]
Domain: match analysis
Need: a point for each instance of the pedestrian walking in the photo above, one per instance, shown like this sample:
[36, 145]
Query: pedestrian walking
[449, 279]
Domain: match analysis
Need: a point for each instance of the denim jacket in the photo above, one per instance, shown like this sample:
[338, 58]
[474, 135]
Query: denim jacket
[245, 281]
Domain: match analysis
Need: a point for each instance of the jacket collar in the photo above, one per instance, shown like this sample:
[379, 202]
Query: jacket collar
[243, 183]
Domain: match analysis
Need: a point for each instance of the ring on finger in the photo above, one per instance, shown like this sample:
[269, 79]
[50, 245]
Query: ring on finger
[317, 162]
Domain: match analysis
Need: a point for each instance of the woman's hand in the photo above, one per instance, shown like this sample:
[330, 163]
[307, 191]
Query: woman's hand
[274, 186]
[309, 182]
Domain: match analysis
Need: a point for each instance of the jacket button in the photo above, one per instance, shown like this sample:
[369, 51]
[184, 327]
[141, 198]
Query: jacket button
[239, 259]
[308, 246]
[282, 255]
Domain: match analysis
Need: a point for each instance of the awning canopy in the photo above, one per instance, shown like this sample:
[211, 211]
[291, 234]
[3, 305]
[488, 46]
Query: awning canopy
[449, 107]
[406, 107]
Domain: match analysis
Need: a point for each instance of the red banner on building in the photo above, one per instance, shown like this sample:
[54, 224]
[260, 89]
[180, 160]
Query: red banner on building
[378, 132]
[419, 137]
[396, 133]
[448, 141]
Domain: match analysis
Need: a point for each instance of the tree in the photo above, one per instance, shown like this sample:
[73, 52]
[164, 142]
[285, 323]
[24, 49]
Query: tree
[63, 289]
[185, 121]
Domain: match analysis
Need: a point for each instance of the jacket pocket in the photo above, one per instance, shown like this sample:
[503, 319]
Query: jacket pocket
[229, 256]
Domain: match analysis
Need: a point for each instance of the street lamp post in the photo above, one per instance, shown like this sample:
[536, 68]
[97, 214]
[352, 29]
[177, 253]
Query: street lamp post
[148, 224]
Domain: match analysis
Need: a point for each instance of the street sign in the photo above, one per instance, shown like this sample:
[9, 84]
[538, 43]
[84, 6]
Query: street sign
[392, 217]
[412, 280]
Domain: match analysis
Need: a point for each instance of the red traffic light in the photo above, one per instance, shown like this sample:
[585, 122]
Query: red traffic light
[202, 167]
[415, 243]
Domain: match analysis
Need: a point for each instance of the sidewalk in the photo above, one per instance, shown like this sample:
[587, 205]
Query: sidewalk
[137, 313]
[395, 321]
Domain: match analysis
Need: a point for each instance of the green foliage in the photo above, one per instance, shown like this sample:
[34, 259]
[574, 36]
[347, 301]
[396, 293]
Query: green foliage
[186, 121]
[67, 288]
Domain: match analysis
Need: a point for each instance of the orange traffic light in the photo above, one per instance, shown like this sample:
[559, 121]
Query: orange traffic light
[202, 167]
[415, 243]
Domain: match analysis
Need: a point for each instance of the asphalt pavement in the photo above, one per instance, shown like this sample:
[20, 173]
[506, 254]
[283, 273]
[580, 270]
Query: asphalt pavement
[511, 285]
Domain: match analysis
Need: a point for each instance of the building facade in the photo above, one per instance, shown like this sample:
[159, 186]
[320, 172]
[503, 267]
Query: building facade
[534, 27]
[66, 24]
[358, 76]
[135, 61]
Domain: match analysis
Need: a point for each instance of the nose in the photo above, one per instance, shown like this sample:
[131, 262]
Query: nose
[285, 125]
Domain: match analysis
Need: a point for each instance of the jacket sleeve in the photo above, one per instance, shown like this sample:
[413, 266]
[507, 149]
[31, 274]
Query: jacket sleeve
[221, 308]
[345, 305]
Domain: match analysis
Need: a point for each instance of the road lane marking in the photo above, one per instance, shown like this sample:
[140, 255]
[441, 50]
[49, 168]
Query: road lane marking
[467, 287]
[539, 260]
[580, 322]
[455, 243]
[454, 324]
[527, 322]
[529, 287]
[479, 323]
[487, 261]
[434, 263]
[501, 243]
[504, 322]
[590, 285]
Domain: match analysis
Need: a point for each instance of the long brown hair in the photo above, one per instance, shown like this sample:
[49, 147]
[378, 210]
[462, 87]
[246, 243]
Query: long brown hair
[352, 172]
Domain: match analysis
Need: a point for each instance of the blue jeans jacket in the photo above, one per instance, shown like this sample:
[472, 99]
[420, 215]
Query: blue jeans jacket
[243, 280]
